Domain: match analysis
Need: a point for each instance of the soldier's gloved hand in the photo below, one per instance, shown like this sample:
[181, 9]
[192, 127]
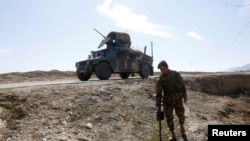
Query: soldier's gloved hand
[158, 101]
[158, 104]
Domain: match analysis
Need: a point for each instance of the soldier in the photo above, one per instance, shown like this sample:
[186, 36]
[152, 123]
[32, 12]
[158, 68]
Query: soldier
[171, 84]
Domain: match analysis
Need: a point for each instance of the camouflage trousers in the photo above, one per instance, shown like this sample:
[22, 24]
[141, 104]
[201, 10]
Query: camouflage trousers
[169, 107]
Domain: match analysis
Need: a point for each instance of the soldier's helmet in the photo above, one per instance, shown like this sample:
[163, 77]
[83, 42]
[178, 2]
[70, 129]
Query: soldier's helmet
[162, 63]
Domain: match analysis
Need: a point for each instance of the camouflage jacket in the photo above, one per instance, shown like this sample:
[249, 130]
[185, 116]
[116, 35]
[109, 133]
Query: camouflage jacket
[172, 85]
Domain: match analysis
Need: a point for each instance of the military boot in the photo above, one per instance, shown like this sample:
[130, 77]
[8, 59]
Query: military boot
[183, 133]
[184, 136]
[173, 136]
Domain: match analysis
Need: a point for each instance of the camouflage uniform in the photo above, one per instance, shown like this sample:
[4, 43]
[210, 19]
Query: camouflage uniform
[174, 90]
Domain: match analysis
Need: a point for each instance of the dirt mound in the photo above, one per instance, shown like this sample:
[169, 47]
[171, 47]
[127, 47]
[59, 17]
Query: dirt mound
[90, 111]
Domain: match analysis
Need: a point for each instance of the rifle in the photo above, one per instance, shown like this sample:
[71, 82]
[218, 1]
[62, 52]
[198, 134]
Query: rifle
[159, 114]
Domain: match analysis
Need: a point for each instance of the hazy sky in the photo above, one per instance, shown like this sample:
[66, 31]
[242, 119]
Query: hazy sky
[191, 35]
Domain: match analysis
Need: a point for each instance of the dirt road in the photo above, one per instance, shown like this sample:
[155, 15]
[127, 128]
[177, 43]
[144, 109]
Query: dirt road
[116, 110]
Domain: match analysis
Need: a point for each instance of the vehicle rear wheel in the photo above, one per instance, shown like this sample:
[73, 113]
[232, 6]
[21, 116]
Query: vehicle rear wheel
[145, 71]
[103, 71]
[124, 75]
[83, 76]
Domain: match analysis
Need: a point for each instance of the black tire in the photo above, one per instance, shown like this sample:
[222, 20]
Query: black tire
[82, 76]
[145, 71]
[103, 71]
[124, 75]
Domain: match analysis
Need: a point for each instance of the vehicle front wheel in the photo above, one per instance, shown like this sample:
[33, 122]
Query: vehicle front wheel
[103, 71]
[145, 71]
[83, 76]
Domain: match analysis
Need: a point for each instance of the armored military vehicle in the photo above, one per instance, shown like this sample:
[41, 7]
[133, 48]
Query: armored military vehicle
[117, 57]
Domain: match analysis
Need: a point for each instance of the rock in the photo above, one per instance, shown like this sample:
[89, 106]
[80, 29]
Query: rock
[89, 125]
[64, 122]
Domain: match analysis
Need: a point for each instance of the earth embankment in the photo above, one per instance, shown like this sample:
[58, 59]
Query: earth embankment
[115, 109]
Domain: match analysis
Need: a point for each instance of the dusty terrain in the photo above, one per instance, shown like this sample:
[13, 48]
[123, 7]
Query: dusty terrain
[114, 110]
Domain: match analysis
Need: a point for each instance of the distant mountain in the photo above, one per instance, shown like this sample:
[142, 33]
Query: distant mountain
[243, 68]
